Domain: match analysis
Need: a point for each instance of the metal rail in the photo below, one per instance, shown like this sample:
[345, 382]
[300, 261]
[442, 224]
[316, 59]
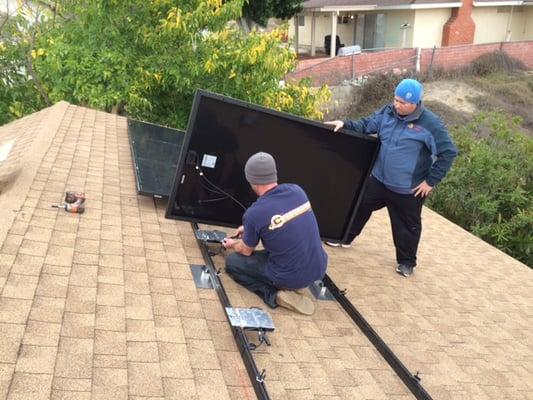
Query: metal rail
[256, 377]
[411, 381]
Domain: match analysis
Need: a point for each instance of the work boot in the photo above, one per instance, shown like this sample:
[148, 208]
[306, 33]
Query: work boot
[301, 291]
[293, 301]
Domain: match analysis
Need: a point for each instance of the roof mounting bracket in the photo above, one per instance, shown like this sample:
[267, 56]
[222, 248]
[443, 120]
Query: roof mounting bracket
[261, 377]
[201, 276]
[320, 291]
[262, 337]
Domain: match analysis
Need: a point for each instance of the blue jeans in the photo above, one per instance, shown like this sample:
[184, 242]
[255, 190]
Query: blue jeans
[249, 271]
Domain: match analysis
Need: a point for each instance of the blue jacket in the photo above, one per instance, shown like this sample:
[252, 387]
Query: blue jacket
[414, 148]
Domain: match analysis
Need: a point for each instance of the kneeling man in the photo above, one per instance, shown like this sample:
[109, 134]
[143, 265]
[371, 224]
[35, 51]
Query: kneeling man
[283, 220]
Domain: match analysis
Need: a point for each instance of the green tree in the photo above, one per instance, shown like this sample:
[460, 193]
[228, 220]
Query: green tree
[21, 90]
[147, 58]
[259, 11]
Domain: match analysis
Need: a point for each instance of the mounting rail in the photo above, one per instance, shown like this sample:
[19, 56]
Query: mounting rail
[256, 377]
[411, 381]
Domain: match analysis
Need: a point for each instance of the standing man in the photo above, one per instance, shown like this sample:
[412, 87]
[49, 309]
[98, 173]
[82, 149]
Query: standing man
[283, 220]
[416, 153]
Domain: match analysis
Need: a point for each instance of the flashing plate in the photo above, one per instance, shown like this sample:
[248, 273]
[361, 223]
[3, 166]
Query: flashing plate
[201, 276]
[250, 318]
[320, 291]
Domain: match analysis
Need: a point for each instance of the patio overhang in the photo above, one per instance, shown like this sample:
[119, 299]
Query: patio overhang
[372, 7]
[501, 3]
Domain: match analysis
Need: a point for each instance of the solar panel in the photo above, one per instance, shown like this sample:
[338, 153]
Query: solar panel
[210, 186]
[155, 150]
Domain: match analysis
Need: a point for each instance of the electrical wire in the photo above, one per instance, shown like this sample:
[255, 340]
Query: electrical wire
[212, 200]
[221, 191]
[211, 190]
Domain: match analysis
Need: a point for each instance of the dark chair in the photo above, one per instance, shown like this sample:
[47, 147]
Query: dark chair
[327, 44]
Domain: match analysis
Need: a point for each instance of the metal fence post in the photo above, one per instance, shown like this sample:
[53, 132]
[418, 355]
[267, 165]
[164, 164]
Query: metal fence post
[353, 67]
[430, 68]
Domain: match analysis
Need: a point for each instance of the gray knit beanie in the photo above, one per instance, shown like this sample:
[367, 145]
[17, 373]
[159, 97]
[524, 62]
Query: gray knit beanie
[260, 169]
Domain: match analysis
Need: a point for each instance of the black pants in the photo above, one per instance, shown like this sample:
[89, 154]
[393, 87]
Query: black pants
[405, 214]
[249, 271]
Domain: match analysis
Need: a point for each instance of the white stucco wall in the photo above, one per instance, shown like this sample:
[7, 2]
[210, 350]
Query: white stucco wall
[428, 26]
[519, 23]
[491, 25]
[528, 29]
[393, 22]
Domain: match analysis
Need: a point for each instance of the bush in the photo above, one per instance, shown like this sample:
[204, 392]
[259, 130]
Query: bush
[489, 189]
[510, 93]
[451, 116]
[376, 91]
[486, 64]
[497, 61]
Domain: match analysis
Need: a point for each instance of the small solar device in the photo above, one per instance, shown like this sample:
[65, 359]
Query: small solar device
[250, 319]
[210, 236]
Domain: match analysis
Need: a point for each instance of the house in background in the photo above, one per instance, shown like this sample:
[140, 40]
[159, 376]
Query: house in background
[379, 24]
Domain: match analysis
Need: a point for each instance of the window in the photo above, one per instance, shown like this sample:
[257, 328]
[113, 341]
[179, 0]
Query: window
[374, 31]
[301, 20]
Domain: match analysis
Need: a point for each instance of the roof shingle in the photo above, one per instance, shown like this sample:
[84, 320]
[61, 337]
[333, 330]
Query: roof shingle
[103, 305]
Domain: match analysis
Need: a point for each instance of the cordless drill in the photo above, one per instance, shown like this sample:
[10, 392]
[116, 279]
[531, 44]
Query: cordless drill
[72, 197]
[74, 203]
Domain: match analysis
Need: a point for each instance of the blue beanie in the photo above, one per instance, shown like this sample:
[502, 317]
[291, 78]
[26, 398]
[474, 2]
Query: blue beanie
[410, 91]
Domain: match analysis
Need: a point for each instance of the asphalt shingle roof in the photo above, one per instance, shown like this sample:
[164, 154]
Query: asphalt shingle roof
[103, 306]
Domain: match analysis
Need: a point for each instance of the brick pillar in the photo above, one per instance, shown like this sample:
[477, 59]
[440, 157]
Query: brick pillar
[460, 28]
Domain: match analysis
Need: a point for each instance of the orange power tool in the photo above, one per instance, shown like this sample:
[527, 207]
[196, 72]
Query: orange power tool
[74, 203]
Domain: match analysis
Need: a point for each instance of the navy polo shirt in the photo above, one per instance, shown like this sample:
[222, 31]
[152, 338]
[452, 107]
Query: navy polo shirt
[295, 254]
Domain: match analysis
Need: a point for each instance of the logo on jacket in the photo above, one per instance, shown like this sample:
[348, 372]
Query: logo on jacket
[415, 127]
[278, 221]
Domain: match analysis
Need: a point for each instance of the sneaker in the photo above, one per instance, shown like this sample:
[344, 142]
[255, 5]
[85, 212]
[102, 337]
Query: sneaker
[335, 244]
[405, 270]
[293, 301]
